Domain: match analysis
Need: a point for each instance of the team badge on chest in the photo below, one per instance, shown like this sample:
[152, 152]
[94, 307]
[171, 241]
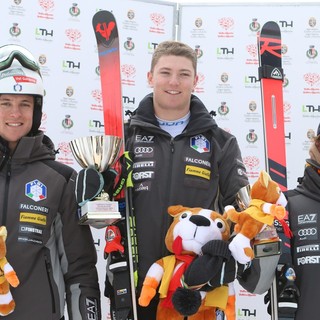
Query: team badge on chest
[200, 143]
[36, 190]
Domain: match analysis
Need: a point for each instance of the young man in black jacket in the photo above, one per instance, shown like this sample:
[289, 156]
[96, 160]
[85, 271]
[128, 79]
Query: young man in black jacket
[180, 155]
[54, 257]
[304, 217]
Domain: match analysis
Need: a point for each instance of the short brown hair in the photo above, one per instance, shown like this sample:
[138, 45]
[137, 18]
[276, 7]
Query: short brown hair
[174, 48]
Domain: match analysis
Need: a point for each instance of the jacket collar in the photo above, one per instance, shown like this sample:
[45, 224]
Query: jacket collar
[310, 184]
[199, 115]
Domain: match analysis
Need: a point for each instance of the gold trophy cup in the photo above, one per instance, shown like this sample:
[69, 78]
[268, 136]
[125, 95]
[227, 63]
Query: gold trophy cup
[99, 152]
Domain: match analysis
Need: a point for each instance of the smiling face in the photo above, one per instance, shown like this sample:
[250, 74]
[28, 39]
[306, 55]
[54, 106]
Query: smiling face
[16, 116]
[173, 80]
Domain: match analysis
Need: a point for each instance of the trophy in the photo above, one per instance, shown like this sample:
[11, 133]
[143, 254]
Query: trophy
[99, 153]
[267, 242]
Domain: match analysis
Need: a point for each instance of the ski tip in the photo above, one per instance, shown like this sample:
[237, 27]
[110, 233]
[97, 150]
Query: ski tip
[271, 28]
[105, 27]
[102, 16]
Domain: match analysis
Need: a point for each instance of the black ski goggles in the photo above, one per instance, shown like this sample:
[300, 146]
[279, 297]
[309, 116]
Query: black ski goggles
[25, 57]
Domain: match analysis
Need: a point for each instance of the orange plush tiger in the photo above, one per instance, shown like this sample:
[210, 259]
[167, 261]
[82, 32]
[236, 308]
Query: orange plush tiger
[7, 277]
[267, 203]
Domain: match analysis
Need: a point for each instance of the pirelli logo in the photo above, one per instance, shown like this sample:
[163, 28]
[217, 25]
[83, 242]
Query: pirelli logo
[27, 217]
[198, 172]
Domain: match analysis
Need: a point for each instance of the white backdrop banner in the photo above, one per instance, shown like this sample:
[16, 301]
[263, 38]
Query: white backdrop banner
[60, 35]
[226, 39]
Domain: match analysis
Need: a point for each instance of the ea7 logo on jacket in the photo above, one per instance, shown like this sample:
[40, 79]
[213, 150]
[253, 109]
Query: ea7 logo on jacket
[36, 190]
[147, 139]
[200, 143]
[307, 218]
[92, 308]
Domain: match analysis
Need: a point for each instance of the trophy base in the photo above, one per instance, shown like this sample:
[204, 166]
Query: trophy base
[267, 243]
[265, 249]
[100, 213]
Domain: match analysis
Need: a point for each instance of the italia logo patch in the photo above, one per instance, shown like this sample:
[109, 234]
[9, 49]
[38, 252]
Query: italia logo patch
[200, 143]
[36, 190]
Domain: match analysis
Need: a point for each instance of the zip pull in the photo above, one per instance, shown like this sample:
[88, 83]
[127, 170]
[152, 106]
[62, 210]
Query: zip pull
[9, 168]
[172, 145]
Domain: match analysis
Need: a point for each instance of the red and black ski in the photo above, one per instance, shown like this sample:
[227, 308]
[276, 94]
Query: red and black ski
[271, 78]
[106, 32]
[119, 246]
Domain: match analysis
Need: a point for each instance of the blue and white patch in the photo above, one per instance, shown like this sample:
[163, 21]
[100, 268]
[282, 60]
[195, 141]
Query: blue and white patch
[200, 143]
[36, 190]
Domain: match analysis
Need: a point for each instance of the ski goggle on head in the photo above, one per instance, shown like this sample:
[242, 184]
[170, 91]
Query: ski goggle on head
[11, 51]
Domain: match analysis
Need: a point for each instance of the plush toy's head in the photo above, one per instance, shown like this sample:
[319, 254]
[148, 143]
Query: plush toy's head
[192, 228]
[265, 189]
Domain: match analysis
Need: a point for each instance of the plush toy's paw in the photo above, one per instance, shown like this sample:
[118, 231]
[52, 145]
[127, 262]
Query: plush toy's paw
[241, 249]
[146, 296]
[7, 308]
[278, 211]
[148, 291]
[227, 208]
[12, 278]
[231, 213]
[187, 302]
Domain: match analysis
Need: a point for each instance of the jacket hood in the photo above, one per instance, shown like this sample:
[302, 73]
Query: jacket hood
[30, 149]
[310, 184]
[199, 114]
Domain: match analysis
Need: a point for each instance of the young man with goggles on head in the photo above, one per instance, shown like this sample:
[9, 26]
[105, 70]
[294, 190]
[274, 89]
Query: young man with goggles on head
[54, 257]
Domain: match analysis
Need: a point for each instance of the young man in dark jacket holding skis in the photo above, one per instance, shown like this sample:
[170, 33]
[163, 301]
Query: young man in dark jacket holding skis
[54, 257]
[180, 155]
[304, 217]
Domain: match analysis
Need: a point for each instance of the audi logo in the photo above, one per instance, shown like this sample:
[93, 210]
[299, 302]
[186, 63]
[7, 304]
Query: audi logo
[307, 232]
[143, 150]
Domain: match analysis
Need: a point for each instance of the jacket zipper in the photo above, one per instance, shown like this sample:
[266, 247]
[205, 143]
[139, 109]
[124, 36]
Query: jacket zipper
[167, 221]
[172, 145]
[49, 274]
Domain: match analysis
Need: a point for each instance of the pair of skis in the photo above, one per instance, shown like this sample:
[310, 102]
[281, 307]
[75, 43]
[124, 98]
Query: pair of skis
[121, 254]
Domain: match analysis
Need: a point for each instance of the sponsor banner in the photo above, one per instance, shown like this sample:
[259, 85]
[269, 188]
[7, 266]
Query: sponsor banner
[224, 36]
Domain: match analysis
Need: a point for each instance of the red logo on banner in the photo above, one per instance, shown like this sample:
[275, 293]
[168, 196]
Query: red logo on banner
[157, 18]
[312, 78]
[251, 162]
[46, 5]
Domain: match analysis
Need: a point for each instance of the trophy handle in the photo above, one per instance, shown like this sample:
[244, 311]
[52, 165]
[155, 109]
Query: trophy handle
[243, 197]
